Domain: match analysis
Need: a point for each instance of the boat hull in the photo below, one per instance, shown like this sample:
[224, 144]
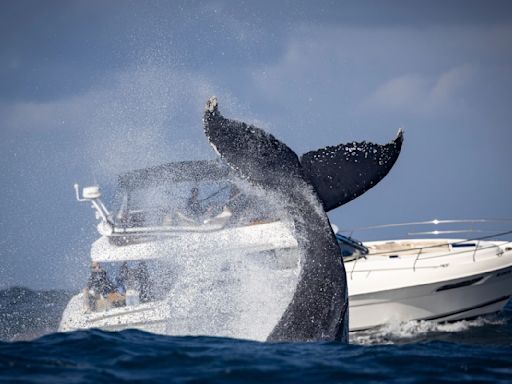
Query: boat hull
[382, 290]
[149, 317]
[367, 311]
[426, 302]
[391, 288]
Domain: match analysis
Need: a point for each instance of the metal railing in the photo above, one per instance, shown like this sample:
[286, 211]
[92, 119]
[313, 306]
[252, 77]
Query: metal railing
[450, 243]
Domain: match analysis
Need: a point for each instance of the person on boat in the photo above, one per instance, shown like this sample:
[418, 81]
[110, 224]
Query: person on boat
[128, 284]
[99, 286]
[194, 207]
[142, 275]
[194, 210]
[125, 279]
[237, 204]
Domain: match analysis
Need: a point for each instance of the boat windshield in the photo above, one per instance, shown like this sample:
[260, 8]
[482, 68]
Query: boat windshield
[157, 205]
[350, 248]
[188, 193]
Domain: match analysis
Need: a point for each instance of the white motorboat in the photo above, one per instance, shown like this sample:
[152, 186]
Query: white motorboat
[448, 279]
[152, 228]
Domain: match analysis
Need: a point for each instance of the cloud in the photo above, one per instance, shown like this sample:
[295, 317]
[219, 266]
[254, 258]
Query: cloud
[133, 119]
[33, 117]
[420, 71]
[416, 94]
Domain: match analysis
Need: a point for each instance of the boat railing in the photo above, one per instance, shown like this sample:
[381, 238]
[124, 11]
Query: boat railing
[471, 245]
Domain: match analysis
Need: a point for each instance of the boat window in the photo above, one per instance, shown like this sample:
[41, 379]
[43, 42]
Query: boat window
[463, 245]
[189, 203]
[350, 247]
[459, 285]
[156, 205]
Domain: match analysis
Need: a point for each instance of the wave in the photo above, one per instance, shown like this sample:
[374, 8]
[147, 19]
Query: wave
[132, 355]
[481, 330]
[27, 314]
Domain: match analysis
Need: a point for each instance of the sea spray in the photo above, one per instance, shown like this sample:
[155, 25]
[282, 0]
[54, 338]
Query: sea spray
[217, 283]
[240, 294]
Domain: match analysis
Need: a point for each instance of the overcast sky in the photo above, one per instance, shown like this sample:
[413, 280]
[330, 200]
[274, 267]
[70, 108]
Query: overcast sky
[91, 88]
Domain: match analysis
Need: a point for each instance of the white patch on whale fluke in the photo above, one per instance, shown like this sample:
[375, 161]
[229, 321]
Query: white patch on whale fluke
[211, 104]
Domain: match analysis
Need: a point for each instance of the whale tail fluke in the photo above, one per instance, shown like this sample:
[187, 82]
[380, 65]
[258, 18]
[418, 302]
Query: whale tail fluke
[338, 173]
[343, 172]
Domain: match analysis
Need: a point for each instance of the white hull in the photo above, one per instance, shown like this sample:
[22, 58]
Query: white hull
[442, 286]
[271, 244]
[424, 302]
[366, 311]
[438, 286]
[149, 317]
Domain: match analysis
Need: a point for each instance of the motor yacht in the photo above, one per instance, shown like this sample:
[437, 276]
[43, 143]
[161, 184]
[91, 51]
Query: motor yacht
[417, 278]
[153, 228]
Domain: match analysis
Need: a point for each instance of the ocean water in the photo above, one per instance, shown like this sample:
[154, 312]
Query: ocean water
[479, 350]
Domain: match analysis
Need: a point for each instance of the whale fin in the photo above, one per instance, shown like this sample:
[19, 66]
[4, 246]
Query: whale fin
[269, 159]
[341, 173]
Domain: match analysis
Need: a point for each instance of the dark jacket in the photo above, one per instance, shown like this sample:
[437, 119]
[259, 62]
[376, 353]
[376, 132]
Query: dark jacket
[100, 283]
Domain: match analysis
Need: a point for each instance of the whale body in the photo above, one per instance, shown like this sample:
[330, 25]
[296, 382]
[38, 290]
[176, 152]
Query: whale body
[309, 187]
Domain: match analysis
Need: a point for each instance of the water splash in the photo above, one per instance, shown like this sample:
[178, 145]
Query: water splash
[239, 294]
[415, 331]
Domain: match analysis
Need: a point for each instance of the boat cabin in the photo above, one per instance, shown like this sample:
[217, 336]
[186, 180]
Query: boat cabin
[194, 196]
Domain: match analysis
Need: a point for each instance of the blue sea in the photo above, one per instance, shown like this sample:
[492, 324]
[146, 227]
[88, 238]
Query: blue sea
[478, 350]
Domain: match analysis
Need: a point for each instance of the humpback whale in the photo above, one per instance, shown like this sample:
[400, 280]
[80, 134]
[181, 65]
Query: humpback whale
[310, 186]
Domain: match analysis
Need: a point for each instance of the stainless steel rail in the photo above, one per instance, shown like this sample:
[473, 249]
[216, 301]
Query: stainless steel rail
[451, 243]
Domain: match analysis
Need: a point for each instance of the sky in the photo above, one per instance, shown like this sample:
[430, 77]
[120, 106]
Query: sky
[89, 89]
